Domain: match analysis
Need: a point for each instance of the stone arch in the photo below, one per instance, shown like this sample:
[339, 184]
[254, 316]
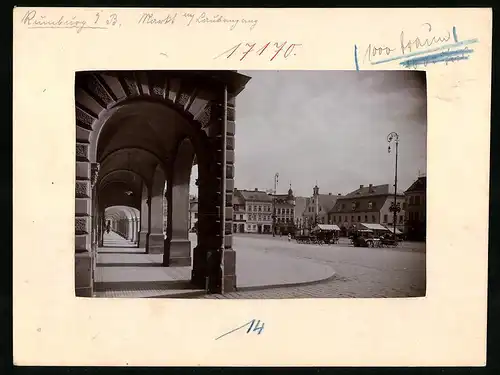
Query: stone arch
[156, 110]
[124, 221]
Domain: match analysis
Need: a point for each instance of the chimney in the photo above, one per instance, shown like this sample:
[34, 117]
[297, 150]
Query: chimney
[256, 189]
[361, 186]
[329, 193]
[339, 194]
[370, 188]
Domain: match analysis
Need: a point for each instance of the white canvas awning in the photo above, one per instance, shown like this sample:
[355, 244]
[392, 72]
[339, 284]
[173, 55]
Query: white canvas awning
[374, 226]
[392, 230]
[327, 227]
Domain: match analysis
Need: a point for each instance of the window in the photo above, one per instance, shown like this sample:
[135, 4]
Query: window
[359, 218]
[404, 205]
[370, 205]
[196, 215]
[366, 218]
[401, 218]
[385, 218]
[417, 200]
[411, 201]
[353, 206]
[345, 219]
[352, 218]
[241, 217]
[373, 219]
[254, 226]
[260, 208]
[291, 211]
[342, 206]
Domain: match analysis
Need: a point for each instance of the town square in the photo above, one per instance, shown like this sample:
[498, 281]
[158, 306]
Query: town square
[322, 193]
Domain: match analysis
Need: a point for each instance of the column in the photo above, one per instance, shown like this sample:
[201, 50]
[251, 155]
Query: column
[180, 246]
[144, 231]
[156, 236]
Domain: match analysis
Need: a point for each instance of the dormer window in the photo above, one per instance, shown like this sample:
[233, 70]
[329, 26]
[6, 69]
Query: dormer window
[370, 205]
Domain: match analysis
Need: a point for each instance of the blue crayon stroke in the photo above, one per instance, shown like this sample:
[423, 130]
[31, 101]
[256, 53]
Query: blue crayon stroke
[417, 53]
[455, 38]
[438, 57]
[356, 57]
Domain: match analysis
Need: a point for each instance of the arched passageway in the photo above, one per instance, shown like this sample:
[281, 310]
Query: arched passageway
[138, 132]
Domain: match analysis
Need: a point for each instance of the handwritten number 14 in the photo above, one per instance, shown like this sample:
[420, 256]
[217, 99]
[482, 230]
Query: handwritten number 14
[256, 328]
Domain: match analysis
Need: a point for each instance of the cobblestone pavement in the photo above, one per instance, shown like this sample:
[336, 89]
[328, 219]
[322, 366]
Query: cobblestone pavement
[360, 272]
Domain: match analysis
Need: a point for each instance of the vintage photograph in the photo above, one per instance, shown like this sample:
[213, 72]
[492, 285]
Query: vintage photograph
[250, 184]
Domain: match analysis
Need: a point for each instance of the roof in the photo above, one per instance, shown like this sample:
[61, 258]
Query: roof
[392, 230]
[419, 185]
[238, 199]
[325, 201]
[327, 227]
[377, 201]
[368, 191]
[374, 226]
[255, 196]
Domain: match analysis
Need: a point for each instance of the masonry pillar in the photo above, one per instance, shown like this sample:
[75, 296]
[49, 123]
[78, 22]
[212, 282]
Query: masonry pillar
[144, 232]
[135, 230]
[156, 236]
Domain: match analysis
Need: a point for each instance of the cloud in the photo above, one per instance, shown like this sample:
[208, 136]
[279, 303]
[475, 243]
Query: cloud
[329, 127]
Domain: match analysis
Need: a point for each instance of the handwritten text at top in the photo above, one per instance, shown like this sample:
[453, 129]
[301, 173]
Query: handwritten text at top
[408, 44]
[88, 20]
[269, 50]
[190, 19]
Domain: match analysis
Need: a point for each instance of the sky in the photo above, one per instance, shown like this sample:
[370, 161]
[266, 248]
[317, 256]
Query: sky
[329, 128]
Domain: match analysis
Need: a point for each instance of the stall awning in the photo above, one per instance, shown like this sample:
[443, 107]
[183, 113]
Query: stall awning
[374, 226]
[392, 230]
[327, 227]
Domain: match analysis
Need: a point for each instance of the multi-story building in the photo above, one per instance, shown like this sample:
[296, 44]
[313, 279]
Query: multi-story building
[239, 213]
[415, 212]
[317, 209]
[258, 210]
[284, 208]
[369, 204]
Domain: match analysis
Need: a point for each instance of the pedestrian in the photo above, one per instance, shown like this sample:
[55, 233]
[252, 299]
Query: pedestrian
[289, 237]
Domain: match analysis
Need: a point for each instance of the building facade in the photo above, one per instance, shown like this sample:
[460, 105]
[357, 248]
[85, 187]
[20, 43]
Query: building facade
[284, 210]
[258, 210]
[317, 209]
[369, 204]
[239, 213]
[415, 213]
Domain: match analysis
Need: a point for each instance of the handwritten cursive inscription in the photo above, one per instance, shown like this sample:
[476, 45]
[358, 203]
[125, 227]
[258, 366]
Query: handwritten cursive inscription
[272, 50]
[417, 43]
[253, 326]
[190, 19]
[429, 48]
[100, 20]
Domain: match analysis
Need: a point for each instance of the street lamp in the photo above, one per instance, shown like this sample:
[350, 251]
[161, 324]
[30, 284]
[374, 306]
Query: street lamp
[394, 137]
[274, 203]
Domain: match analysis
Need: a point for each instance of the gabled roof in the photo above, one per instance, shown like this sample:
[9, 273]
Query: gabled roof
[255, 196]
[363, 204]
[325, 201]
[419, 185]
[238, 199]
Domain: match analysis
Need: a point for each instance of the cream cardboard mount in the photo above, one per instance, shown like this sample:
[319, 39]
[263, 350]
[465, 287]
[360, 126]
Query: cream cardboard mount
[447, 327]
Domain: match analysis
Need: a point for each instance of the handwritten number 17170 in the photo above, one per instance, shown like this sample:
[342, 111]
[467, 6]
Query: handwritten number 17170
[273, 49]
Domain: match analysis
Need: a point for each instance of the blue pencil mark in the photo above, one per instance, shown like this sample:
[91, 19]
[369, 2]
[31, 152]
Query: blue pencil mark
[455, 38]
[258, 328]
[356, 57]
[417, 53]
[446, 56]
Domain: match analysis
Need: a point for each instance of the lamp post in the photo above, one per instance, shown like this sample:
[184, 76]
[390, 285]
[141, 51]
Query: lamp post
[394, 137]
[274, 203]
